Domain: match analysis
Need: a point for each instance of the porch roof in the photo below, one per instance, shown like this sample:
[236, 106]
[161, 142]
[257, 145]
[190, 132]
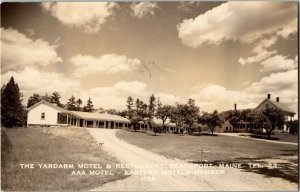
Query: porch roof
[99, 116]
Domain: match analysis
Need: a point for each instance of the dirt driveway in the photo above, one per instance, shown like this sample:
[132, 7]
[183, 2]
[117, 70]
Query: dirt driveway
[153, 172]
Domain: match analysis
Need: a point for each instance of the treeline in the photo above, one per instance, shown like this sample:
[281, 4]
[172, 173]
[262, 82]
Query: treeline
[187, 117]
[73, 104]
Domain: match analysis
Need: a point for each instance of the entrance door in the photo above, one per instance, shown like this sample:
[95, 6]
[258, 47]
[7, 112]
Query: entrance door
[81, 122]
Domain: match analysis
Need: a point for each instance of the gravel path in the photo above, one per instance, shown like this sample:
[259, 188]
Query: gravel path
[233, 179]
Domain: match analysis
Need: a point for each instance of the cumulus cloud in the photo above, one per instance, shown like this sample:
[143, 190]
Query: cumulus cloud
[244, 21]
[278, 62]
[260, 51]
[119, 92]
[280, 84]
[89, 16]
[188, 6]
[18, 51]
[168, 99]
[32, 80]
[108, 64]
[143, 9]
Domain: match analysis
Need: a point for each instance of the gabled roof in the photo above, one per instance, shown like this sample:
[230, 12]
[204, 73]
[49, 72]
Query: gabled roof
[99, 116]
[280, 106]
[49, 105]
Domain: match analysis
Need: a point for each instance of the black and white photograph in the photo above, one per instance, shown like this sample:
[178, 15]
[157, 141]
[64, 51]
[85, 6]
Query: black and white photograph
[149, 96]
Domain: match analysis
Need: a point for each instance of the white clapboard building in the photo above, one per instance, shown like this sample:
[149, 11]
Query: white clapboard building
[44, 113]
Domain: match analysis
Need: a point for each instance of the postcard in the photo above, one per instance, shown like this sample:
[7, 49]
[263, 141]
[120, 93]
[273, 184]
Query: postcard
[149, 96]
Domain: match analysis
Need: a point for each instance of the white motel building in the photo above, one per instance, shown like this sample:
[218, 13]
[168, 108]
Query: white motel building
[48, 114]
[44, 113]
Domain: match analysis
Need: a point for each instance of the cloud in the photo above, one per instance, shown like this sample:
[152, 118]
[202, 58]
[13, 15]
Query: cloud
[108, 64]
[19, 51]
[143, 9]
[280, 84]
[115, 96]
[244, 21]
[168, 99]
[89, 16]
[260, 51]
[31, 80]
[277, 63]
[188, 6]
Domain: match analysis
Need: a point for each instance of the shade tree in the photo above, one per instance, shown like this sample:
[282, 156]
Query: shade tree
[212, 120]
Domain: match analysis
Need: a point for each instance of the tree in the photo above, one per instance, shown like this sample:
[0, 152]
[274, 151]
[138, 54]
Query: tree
[269, 119]
[156, 128]
[129, 111]
[293, 126]
[89, 106]
[192, 114]
[71, 104]
[135, 120]
[129, 103]
[151, 107]
[234, 117]
[35, 98]
[12, 110]
[55, 98]
[212, 120]
[178, 116]
[164, 112]
[151, 111]
[46, 97]
[78, 104]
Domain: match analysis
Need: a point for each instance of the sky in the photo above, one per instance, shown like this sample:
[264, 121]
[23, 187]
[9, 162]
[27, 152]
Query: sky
[216, 53]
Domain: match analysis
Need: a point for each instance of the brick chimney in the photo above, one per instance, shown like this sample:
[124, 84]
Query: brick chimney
[277, 99]
[269, 96]
[235, 106]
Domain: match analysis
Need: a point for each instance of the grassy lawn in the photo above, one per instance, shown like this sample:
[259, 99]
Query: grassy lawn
[219, 147]
[51, 145]
[284, 137]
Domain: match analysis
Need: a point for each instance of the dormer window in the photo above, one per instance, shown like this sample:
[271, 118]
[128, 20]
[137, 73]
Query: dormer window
[42, 115]
[267, 105]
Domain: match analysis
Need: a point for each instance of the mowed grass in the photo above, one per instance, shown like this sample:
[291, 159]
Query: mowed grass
[51, 145]
[284, 137]
[218, 147]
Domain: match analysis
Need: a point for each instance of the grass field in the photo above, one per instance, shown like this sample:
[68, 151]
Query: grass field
[51, 145]
[284, 137]
[219, 147]
[222, 149]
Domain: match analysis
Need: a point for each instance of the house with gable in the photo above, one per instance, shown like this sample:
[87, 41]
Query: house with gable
[44, 113]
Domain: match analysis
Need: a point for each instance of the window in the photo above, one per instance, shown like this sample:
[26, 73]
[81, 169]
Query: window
[42, 115]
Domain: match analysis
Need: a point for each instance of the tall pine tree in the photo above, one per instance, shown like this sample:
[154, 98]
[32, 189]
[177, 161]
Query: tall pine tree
[55, 98]
[12, 110]
[89, 106]
[71, 105]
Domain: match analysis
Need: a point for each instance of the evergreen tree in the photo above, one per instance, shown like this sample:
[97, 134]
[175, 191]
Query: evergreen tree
[35, 98]
[71, 104]
[46, 97]
[12, 110]
[55, 98]
[129, 111]
[89, 106]
[78, 104]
